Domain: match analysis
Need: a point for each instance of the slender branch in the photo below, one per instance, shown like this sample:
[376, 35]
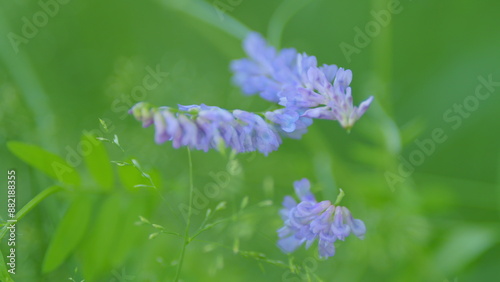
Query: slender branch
[339, 197]
[208, 13]
[30, 205]
[190, 210]
[383, 61]
[26, 78]
[248, 254]
[281, 17]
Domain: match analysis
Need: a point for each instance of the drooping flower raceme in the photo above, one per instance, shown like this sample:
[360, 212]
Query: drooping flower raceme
[205, 127]
[296, 82]
[293, 81]
[309, 220]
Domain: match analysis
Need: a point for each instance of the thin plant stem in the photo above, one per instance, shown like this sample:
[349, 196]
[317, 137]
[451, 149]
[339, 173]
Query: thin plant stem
[498, 181]
[209, 14]
[190, 210]
[282, 15]
[245, 253]
[30, 205]
[26, 78]
[339, 197]
[383, 62]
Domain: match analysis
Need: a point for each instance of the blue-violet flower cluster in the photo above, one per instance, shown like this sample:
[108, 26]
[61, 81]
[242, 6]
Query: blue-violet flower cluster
[302, 90]
[206, 127]
[296, 82]
[310, 220]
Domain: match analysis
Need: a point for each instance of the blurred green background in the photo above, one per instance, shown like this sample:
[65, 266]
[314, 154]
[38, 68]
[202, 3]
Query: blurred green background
[86, 59]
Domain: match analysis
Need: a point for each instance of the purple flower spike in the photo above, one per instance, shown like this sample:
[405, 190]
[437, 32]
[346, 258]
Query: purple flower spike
[205, 127]
[290, 79]
[295, 81]
[309, 220]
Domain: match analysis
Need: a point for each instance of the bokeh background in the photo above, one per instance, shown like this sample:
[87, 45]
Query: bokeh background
[434, 221]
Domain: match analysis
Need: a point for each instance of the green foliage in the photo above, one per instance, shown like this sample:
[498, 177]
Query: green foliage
[69, 233]
[104, 233]
[37, 200]
[133, 177]
[98, 163]
[463, 246]
[129, 233]
[440, 223]
[47, 162]
[4, 274]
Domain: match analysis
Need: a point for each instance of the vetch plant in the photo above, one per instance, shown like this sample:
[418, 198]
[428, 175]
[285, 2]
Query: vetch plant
[206, 127]
[300, 89]
[296, 82]
[301, 92]
[222, 205]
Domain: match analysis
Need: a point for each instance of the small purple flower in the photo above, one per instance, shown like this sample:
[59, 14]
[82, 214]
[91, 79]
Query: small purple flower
[310, 220]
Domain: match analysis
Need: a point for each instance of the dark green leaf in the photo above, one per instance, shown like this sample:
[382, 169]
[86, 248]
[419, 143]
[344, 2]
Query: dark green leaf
[36, 200]
[47, 162]
[69, 233]
[4, 274]
[101, 242]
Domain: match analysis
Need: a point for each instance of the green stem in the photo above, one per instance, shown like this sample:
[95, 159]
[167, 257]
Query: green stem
[281, 17]
[339, 197]
[247, 254]
[32, 204]
[207, 227]
[4, 274]
[25, 77]
[209, 14]
[190, 210]
[36, 200]
[498, 182]
[171, 233]
[382, 61]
